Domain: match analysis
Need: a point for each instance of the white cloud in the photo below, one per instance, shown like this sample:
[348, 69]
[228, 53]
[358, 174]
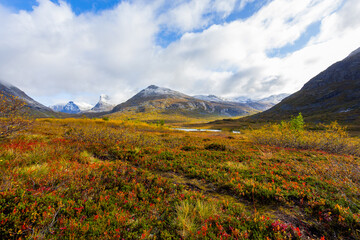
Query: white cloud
[50, 52]
[224, 7]
[238, 51]
[196, 14]
[188, 15]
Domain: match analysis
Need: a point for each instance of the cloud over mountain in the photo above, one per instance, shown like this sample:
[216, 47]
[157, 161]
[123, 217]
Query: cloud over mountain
[53, 53]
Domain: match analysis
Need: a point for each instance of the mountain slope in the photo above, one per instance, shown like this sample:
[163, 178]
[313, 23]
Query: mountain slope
[210, 98]
[103, 105]
[36, 109]
[155, 98]
[334, 94]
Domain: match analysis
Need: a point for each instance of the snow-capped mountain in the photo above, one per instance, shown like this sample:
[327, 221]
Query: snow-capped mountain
[155, 91]
[84, 106]
[210, 98]
[261, 104]
[274, 99]
[241, 99]
[103, 105]
[168, 101]
[71, 107]
[58, 107]
[258, 104]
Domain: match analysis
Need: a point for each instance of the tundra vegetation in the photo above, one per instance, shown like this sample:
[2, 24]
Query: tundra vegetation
[13, 117]
[125, 179]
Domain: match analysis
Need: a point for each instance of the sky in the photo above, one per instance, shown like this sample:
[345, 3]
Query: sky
[57, 51]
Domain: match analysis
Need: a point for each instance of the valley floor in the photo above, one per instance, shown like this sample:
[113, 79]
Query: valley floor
[100, 179]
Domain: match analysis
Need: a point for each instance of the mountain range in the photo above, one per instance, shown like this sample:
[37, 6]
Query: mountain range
[152, 98]
[158, 98]
[169, 101]
[272, 100]
[72, 107]
[333, 94]
[257, 104]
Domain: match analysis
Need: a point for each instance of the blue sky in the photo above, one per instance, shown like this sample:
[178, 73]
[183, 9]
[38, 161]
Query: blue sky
[78, 6]
[76, 51]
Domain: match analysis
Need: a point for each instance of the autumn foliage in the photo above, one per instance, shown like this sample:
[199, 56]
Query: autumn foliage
[97, 179]
[12, 116]
[331, 137]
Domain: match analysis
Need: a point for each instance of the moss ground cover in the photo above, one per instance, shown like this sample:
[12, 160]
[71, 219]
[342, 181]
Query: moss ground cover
[96, 179]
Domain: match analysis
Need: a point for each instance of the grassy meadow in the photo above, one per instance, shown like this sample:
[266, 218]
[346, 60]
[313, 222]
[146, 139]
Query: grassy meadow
[125, 179]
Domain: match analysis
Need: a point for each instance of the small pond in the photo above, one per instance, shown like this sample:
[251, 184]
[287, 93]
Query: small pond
[200, 130]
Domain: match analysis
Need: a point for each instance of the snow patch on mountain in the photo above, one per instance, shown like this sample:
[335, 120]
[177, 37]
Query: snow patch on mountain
[84, 106]
[241, 99]
[210, 98]
[153, 90]
[58, 107]
[71, 107]
[274, 99]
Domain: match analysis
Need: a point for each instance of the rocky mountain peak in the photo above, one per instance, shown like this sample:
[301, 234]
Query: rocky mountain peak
[155, 91]
[71, 107]
[103, 105]
[152, 87]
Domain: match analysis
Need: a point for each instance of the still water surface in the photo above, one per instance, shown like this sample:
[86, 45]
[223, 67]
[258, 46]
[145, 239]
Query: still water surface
[200, 130]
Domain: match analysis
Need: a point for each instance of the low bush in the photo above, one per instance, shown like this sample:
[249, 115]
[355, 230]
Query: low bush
[189, 148]
[291, 134]
[216, 147]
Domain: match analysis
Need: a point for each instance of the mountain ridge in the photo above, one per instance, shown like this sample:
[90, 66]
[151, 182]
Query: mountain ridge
[158, 98]
[332, 94]
[35, 108]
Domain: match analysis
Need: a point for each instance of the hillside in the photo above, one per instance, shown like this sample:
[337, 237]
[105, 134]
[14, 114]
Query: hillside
[34, 108]
[168, 101]
[332, 94]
